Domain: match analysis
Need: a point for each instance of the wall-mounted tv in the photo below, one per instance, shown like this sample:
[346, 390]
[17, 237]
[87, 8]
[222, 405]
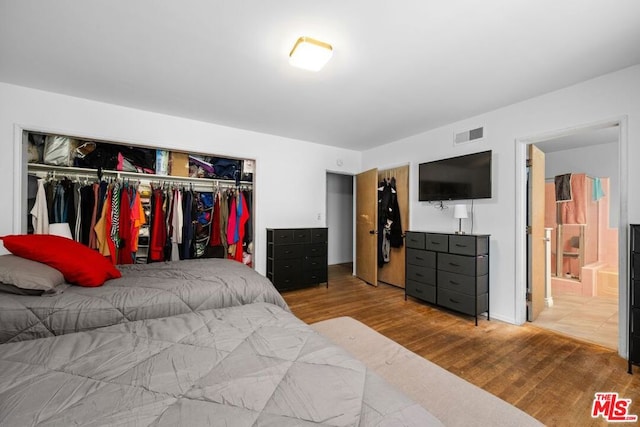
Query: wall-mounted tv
[456, 178]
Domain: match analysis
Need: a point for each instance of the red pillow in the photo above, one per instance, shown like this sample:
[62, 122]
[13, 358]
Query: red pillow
[78, 264]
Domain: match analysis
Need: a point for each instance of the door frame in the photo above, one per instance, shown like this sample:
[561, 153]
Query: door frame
[623, 221]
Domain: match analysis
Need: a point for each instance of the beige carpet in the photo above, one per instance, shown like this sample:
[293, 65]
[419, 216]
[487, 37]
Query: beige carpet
[454, 401]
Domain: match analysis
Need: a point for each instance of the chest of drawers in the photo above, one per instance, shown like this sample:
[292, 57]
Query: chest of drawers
[449, 270]
[296, 257]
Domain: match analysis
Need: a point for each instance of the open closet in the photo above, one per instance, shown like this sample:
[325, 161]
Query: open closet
[138, 204]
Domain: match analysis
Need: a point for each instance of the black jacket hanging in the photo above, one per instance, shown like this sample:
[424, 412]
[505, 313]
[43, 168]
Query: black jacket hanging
[395, 234]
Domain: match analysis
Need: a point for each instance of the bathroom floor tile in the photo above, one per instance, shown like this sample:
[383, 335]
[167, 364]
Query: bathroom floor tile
[592, 319]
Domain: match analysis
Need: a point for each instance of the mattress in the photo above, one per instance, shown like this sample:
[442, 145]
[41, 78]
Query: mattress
[249, 365]
[145, 291]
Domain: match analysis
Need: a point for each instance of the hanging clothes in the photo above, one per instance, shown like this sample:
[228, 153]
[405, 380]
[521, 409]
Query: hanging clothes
[158, 232]
[224, 220]
[97, 209]
[125, 254]
[103, 229]
[396, 239]
[389, 223]
[238, 216]
[215, 239]
[137, 221]
[40, 211]
[384, 200]
[86, 213]
[177, 221]
[187, 224]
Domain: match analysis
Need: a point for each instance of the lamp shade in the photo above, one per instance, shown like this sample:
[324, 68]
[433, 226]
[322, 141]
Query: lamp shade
[61, 229]
[460, 211]
[310, 54]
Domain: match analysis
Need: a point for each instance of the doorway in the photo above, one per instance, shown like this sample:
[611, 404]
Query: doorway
[339, 218]
[583, 292]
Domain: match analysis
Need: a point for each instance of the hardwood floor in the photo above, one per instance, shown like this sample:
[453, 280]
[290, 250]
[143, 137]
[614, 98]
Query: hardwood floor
[549, 376]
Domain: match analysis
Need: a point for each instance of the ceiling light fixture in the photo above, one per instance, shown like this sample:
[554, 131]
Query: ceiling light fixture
[310, 54]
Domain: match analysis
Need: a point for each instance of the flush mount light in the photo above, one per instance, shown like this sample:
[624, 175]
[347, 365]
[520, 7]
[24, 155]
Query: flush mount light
[310, 54]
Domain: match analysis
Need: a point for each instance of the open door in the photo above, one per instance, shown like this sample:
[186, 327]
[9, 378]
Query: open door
[535, 233]
[366, 226]
[393, 272]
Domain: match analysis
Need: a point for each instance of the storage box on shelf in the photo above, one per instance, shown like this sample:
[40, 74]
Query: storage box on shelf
[449, 270]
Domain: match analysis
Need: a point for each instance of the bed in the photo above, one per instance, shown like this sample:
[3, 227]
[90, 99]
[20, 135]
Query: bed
[254, 364]
[145, 291]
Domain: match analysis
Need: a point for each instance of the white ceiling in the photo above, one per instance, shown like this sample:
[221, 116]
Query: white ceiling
[399, 67]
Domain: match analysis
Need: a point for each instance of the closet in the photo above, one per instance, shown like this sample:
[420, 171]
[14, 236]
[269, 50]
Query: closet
[139, 204]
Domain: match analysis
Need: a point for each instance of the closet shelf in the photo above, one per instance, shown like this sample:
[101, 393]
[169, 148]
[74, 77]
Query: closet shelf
[42, 170]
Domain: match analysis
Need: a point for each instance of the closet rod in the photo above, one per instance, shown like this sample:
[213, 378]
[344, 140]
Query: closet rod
[43, 171]
[553, 178]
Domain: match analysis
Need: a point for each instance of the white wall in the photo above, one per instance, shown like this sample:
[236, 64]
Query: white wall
[610, 96]
[595, 160]
[340, 218]
[290, 174]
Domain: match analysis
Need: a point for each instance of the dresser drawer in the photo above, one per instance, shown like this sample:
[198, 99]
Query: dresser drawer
[468, 245]
[315, 249]
[421, 258]
[315, 262]
[288, 251]
[634, 349]
[302, 235]
[635, 293]
[287, 268]
[463, 303]
[414, 240]
[436, 242]
[635, 321]
[635, 266]
[467, 265]
[635, 238]
[421, 290]
[421, 274]
[319, 235]
[318, 275]
[280, 236]
[470, 285]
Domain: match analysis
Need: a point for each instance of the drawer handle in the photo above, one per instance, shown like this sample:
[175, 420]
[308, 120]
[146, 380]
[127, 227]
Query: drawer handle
[453, 283]
[418, 290]
[419, 259]
[454, 301]
[452, 264]
[288, 252]
[419, 275]
[460, 246]
[435, 243]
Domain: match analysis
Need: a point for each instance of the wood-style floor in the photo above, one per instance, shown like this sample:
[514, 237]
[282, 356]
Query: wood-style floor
[549, 376]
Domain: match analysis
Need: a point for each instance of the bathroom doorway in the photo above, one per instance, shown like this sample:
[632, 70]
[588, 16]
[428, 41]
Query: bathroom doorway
[581, 214]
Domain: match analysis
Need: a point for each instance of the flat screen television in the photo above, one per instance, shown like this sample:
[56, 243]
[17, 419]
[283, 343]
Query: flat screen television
[456, 178]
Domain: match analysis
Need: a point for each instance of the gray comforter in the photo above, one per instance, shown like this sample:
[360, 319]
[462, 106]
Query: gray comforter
[240, 366]
[145, 291]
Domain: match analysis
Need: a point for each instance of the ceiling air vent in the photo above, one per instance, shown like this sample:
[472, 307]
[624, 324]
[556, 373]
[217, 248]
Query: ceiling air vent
[468, 136]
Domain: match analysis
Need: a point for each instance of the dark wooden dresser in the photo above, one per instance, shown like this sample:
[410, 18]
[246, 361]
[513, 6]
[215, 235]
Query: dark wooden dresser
[296, 257]
[449, 270]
